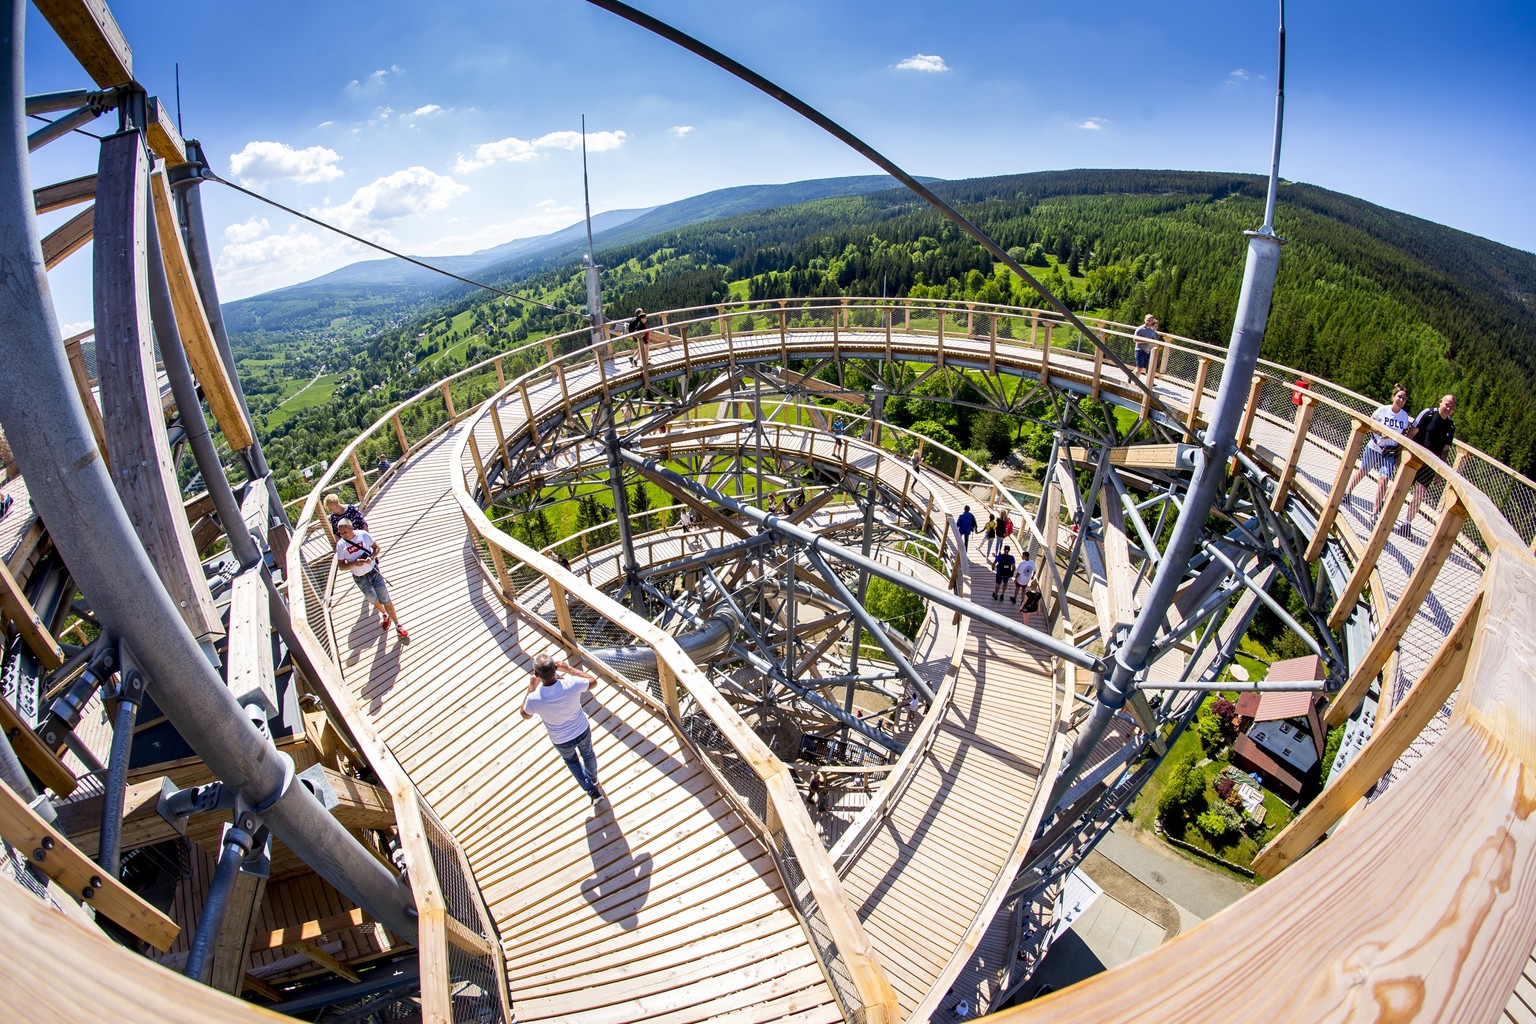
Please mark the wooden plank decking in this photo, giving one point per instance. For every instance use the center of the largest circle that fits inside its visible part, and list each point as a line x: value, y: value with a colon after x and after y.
x: 662, y: 907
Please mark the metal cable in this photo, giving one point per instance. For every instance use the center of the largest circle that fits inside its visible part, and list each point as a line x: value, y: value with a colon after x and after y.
x: 208, y: 175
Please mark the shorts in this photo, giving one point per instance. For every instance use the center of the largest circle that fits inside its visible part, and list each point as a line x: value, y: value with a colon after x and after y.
x: 1426, y: 476
x: 373, y: 586
x: 1143, y: 358
x: 1374, y: 459
x: 1003, y: 578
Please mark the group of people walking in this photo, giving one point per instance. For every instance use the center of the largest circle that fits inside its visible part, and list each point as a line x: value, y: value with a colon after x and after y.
x: 1007, y: 569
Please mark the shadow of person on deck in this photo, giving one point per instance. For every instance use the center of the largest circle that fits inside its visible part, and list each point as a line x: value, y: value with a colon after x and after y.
x: 385, y: 666
x: 621, y: 882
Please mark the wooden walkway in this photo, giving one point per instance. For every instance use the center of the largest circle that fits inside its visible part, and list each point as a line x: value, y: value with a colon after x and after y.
x: 667, y: 908
x: 662, y: 907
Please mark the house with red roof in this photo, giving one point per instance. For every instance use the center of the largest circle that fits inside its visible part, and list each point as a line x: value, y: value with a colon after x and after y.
x: 1281, y: 733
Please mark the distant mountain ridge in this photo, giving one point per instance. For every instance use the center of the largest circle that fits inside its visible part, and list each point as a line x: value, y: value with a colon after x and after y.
x: 379, y: 289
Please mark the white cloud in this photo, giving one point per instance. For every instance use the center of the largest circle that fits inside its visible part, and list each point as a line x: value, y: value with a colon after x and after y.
x: 408, y: 193
x: 259, y: 264
x: 545, y: 204
x: 682, y: 131
x: 247, y: 231
x: 374, y: 81
x: 325, y: 124
x: 71, y: 329
x: 597, y: 142
x: 928, y: 62
x: 513, y: 150
x: 427, y: 110
x: 1094, y: 124
x: 261, y: 163
x: 1239, y: 75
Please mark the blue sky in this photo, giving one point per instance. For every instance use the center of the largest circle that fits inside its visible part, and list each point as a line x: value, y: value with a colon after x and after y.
x: 446, y: 128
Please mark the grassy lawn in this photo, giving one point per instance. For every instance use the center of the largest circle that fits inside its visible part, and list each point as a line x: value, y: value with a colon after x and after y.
x: 297, y: 398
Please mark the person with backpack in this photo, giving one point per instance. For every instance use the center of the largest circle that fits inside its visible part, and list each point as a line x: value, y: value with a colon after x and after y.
x: 358, y: 554
x: 989, y: 535
x: 1381, y: 452
x: 1002, y: 566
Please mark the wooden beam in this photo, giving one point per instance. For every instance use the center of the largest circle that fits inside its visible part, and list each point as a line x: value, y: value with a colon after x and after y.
x: 141, y: 467
x: 293, y: 934
x: 165, y: 139
x: 248, y: 661
x: 18, y: 611
x: 192, y: 321
x: 142, y: 823
x: 329, y: 962
x: 34, y: 753
x: 1396, y: 622
x: 58, y: 858
x: 231, y: 953
x: 1391, y: 737
x: 82, y: 376
x: 1338, y: 493
x: 63, y: 194
x: 1402, y: 484
x: 1138, y: 456
x: 90, y: 32
x: 68, y: 238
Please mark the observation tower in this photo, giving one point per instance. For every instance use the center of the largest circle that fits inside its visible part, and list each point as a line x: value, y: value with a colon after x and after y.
x: 844, y: 781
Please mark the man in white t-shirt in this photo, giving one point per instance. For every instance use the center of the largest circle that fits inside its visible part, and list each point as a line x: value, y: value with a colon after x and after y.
x: 1381, y: 451
x: 357, y: 553
x: 1022, y: 575
x: 554, y: 694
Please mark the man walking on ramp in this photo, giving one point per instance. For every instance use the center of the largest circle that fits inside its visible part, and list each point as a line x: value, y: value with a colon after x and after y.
x: 554, y: 694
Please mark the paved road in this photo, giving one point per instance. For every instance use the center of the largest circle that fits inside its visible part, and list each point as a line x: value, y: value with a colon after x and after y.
x: 1201, y: 892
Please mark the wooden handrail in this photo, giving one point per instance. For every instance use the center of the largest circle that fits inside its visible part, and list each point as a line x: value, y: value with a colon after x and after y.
x: 1480, y: 757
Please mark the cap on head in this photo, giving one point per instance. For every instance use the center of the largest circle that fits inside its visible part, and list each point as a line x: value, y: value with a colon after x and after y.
x: 639, y: 311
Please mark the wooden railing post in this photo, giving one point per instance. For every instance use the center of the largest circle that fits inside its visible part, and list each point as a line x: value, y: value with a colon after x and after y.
x: 1303, y: 423
x: 1402, y: 485
x: 1396, y: 622
x: 1387, y: 742
x: 1246, y: 430
x: 1195, y: 395
x: 448, y: 400
x: 405, y: 446
x: 1337, y: 494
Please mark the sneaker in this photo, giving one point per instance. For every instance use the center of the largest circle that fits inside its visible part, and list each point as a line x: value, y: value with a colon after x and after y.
x: 598, y: 798
x: 386, y: 623
x: 1013, y: 598
x: 401, y: 633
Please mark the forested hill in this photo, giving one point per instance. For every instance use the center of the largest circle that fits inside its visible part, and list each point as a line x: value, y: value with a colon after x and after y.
x: 1366, y: 296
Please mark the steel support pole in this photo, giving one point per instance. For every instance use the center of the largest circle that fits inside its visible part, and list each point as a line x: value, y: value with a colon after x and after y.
x: 74, y: 495
x: 1210, y: 470
x: 867, y: 620
x: 189, y: 207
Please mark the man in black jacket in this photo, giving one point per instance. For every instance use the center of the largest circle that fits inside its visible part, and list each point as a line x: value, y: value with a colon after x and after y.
x: 1435, y: 430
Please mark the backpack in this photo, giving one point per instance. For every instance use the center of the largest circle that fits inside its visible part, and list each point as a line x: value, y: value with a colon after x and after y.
x: 1005, y: 565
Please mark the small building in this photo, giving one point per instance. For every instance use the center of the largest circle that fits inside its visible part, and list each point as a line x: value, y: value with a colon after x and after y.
x: 1281, y: 734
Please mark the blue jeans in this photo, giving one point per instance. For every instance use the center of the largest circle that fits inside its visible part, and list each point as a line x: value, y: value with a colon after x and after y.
x: 582, y: 762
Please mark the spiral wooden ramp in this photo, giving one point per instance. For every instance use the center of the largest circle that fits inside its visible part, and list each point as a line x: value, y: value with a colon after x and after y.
x: 706, y: 891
